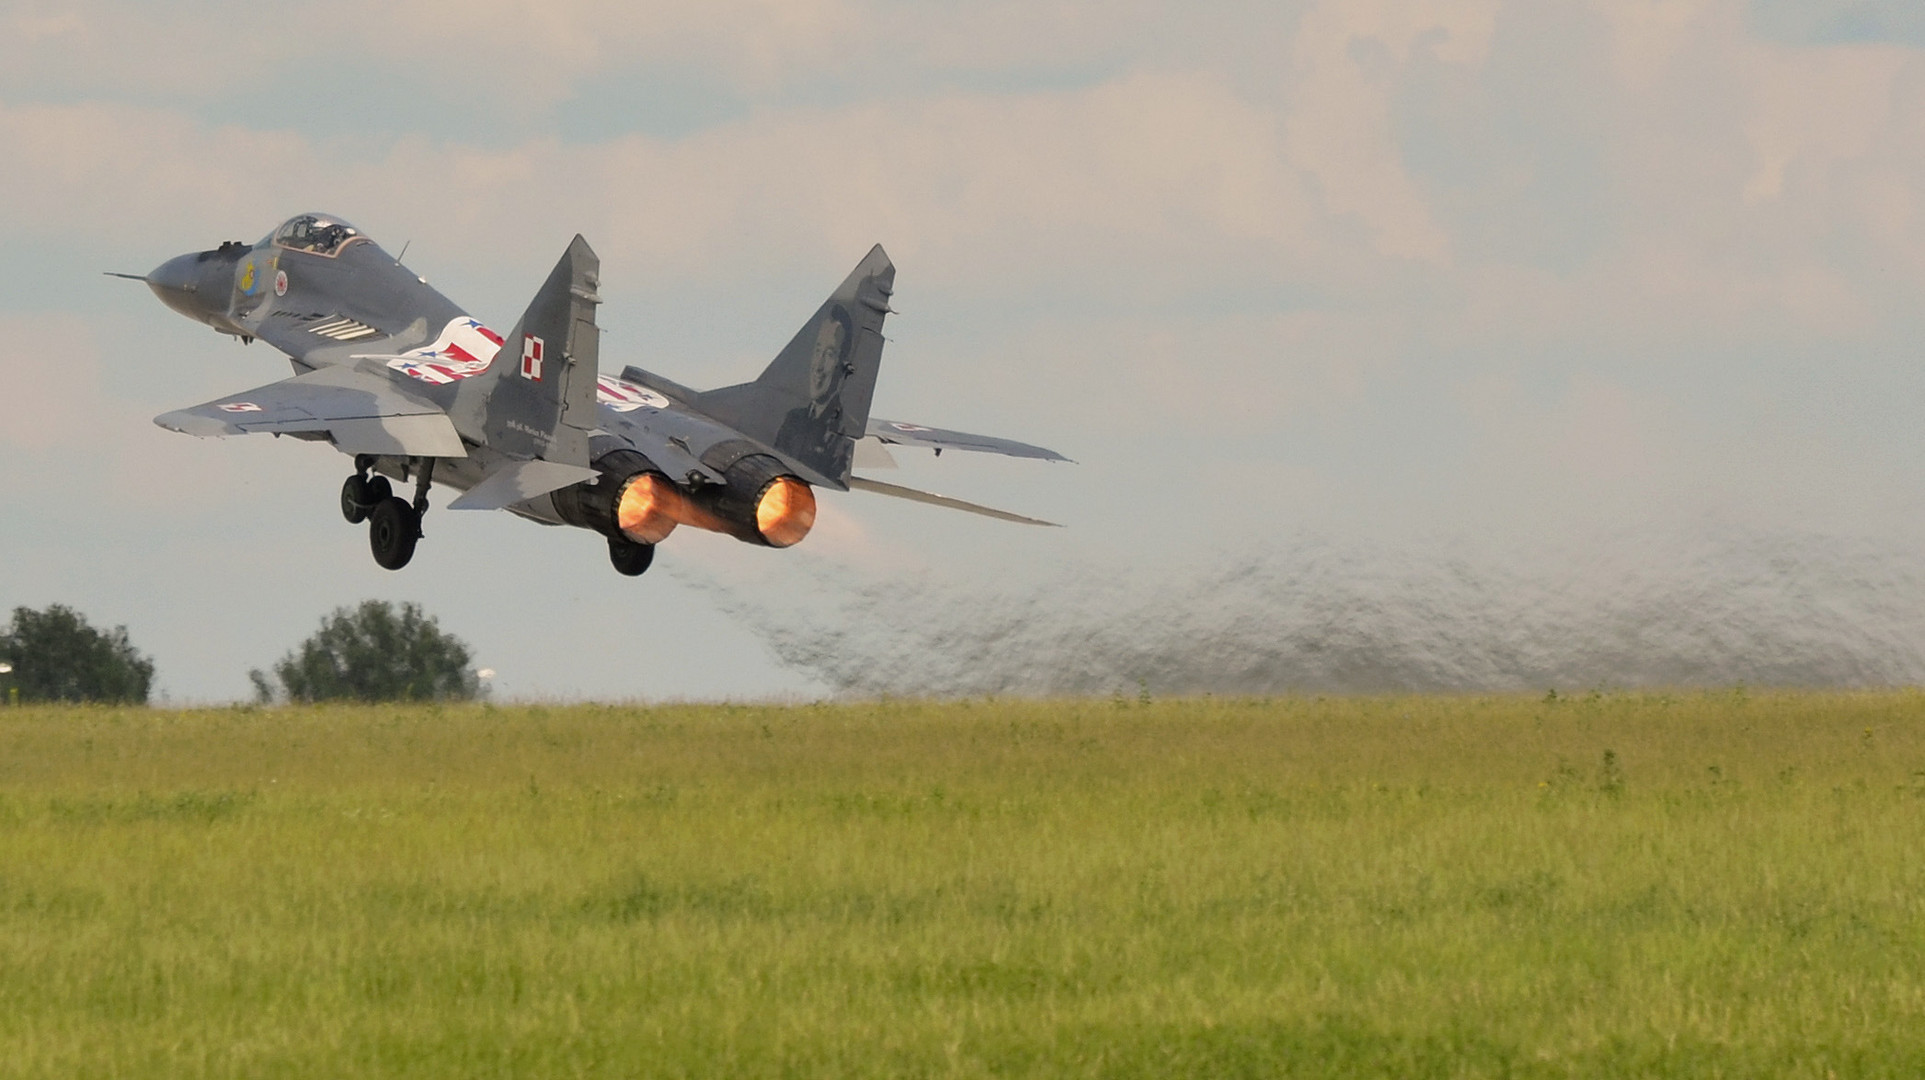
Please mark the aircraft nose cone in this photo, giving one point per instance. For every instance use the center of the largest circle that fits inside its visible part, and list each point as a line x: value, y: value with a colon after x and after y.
x: 177, y: 283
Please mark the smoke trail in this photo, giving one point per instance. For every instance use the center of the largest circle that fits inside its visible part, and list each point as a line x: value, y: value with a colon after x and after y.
x: 1321, y: 617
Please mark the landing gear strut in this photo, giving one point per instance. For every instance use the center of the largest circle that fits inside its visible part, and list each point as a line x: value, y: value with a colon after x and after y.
x: 630, y: 558
x: 394, y: 524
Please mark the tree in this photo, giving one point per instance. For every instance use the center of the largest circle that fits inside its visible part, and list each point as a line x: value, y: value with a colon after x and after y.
x: 373, y: 653
x: 56, y: 656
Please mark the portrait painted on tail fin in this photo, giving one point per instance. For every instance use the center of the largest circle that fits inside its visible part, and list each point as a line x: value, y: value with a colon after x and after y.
x: 812, y: 430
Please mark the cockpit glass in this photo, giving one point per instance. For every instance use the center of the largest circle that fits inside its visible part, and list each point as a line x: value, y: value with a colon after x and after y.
x: 314, y: 233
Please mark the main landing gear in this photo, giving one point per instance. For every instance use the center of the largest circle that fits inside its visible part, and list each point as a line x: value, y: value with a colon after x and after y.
x: 394, y: 525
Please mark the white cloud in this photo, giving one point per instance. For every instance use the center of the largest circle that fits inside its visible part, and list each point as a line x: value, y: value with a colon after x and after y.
x: 1151, y: 168
x: 1338, y: 120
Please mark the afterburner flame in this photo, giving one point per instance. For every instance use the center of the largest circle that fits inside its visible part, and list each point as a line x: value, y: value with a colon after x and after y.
x: 649, y: 508
x: 785, y: 512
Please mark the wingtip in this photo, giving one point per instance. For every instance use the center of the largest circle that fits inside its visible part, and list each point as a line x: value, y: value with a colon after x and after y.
x: 184, y: 422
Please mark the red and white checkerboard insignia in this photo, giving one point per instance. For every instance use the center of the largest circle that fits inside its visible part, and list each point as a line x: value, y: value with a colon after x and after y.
x: 531, y: 357
x: 240, y: 406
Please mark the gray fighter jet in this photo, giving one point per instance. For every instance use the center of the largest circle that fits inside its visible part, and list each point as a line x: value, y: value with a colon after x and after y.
x: 415, y: 389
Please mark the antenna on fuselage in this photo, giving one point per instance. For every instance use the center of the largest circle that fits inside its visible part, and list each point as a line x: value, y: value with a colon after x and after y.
x: 404, y: 253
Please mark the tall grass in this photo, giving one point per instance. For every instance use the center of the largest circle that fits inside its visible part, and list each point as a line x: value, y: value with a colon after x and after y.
x: 1722, y: 884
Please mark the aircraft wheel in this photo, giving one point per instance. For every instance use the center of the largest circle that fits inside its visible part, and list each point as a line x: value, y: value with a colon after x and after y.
x: 630, y: 559
x: 354, y: 500
x: 361, y: 494
x: 393, y: 528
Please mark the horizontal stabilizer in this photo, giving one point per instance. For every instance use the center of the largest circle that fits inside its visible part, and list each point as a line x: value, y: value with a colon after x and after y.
x: 940, y: 439
x: 863, y: 483
x: 519, y: 481
x: 871, y: 454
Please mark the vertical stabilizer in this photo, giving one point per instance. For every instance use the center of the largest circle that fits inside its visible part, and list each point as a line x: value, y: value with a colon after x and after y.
x: 812, y: 403
x: 537, y: 399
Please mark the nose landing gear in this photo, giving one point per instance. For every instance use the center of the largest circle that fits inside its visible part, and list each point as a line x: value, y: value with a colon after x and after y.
x: 394, y: 525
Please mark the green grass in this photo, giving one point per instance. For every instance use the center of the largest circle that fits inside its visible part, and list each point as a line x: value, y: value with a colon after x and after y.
x: 1629, y: 885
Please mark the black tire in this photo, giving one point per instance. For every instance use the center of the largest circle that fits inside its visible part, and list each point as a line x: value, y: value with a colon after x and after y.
x: 361, y: 494
x: 355, y: 503
x: 630, y: 559
x: 393, y: 528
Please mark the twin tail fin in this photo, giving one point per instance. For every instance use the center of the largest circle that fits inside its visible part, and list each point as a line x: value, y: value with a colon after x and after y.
x: 537, y: 401
x: 812, y: 402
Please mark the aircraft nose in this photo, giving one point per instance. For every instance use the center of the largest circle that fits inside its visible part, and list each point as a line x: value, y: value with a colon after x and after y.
x: 177, y: 283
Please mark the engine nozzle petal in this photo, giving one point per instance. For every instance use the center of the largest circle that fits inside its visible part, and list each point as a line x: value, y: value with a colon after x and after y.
x: 785, y: 512
x: 649, y: 508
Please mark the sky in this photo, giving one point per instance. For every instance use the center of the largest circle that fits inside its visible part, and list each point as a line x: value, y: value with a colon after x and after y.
x: 1550, y: 294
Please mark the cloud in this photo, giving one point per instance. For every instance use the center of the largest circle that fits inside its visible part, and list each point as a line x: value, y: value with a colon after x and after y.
x: 105, y: 170
x: 1839, y: 21
x: 1151, y: 168
x: 1338, y: 123
x: 502, y: 50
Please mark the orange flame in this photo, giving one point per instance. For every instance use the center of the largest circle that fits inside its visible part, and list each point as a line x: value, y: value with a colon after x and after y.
x: 785, y: 512
x: 649, y: 508
x: 651, y: 505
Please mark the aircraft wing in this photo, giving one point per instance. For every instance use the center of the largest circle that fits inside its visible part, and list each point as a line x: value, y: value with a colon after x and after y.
x: 939, y: 439
x: 361, y: 412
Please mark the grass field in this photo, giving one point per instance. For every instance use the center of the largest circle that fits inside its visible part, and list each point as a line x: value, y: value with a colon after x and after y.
x: 1727, y: 884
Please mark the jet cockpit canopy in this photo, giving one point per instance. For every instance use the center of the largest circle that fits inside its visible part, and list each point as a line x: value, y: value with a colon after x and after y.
x: 318, y: 234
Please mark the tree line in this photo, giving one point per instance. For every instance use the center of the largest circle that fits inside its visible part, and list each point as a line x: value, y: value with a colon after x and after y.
x: 373, y: 652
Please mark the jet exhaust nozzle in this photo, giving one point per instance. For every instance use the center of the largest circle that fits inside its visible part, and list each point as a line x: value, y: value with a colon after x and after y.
x: 759, y: 503
x: 784, y: 512
x: 649, y: 507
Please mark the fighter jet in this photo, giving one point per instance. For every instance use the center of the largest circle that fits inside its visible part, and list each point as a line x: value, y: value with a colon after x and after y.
x: 417, y: 391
